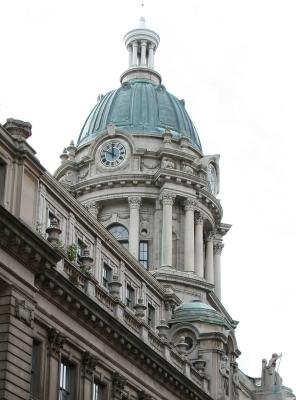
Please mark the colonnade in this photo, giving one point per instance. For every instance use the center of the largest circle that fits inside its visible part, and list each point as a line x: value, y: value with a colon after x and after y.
x: 138, y: 55
x: 203, y: 259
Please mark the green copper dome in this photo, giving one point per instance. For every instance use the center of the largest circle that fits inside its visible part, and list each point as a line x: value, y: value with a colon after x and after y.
x: 197, y: 311
x: 140, y: 107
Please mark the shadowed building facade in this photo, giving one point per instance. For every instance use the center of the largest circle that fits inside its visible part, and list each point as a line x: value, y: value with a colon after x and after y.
x: 110, y: 270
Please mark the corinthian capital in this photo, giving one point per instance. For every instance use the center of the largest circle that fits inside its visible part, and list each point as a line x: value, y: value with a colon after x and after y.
x: 199, y: 219
x: 134, y: 202
x: 190, y: 204
x: 218, y: 247
x: 211, y: 236
x: 168, y: 198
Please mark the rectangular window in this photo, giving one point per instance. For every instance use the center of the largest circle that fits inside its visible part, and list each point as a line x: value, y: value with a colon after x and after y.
x: 80, y: 247
x: 130, y: 296
x: 144, y: 253
x: 98, y: 391
x: 66, y: 373
x: 107, y: 275
x: 151, y: 315
x: 35, y: 370
x: 2, y: 180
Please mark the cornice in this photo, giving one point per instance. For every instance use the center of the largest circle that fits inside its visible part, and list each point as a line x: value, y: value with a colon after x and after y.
x: 29, y: 248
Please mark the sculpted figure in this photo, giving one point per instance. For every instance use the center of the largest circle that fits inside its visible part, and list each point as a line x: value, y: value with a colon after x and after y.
x: 224, y: 371
x: 272, y: 379
x: 187, y: 169
x: 235, y: 382
x: 167, y: 163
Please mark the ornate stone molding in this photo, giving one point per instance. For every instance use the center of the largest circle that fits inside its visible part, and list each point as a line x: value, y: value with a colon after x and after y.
x: 199, y: 219
x: 190, y: 204
x: 23, y: 312
x: 167, y: 163
x: 89, y: 362
x: 218, y: 247
x: 168, y: 198
x: 55, y: 340
x: 118, y: 383
x: 211, y: 236
x: 134, y: 202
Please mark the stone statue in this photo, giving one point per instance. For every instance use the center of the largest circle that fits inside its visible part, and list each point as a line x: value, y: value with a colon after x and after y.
x: 224, y: 371
x: 270, y: 377
x: 235, y: 382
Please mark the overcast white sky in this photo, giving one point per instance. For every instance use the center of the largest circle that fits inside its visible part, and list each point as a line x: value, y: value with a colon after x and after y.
x: 234, y: 64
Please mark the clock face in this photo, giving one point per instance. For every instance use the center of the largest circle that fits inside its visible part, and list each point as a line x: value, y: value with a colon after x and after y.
x: 213, y: 180
x: 112, y: 154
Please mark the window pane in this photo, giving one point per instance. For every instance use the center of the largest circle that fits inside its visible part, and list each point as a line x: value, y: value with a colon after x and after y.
x: 98, y: 390
x: 144, y: 253
x: 119, y: 232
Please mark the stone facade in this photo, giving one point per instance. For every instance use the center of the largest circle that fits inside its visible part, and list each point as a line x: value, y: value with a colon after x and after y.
x: 87, y: 316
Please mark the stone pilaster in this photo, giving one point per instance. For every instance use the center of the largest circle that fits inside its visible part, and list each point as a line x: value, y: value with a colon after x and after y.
x: 218, y: 247
x: 198, y: 246
x: 143, y: 52
x: 210, y: 258
x: 190, y: 204
x: 89, y: 363
x: 55, y: 344
x: 134, y: 205
x: 167, y: 228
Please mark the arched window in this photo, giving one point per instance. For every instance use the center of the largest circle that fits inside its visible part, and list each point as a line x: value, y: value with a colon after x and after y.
x: 120, y: 233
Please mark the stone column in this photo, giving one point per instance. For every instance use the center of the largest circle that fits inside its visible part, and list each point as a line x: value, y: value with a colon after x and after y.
x: 189, y: 235
x: 218, y: 247
x: 198, y: 247
x: 210, y: 258
x: 167, y: 228
x: 151, y: 56
x: 135, y: 53
x: 134, y: 204
x: 143, y: 52
x: 130, y: 55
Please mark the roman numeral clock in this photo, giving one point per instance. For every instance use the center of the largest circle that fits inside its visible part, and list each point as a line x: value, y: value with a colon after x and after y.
x: 112, y: 153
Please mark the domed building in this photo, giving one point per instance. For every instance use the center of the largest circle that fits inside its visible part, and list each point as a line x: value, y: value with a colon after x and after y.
x: 111, y: 270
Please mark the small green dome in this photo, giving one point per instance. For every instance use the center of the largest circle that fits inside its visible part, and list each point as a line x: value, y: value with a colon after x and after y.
x: 197, y: 311
x: 140, y: 107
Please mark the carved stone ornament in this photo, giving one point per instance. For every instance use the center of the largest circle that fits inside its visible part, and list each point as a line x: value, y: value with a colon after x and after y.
x: 167, y: 163
x: 55, y: 340
x: 92, y: 207
x: 167, y: 136
x: 199, y: 219
x: 235, y: 382
x: 118, y: 383
x: 211, y: 236
x: 168, y: 198
x: 224, y: 372
x: 89, y: 362
x: 68, y: 178
x: 218, y: 247
x: 134, y: 202
x: 187, y: 169
x: 190, y: 204
x: 23, y: 312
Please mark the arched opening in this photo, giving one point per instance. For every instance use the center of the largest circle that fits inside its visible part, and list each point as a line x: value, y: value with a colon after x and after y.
x: 120, y: 233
